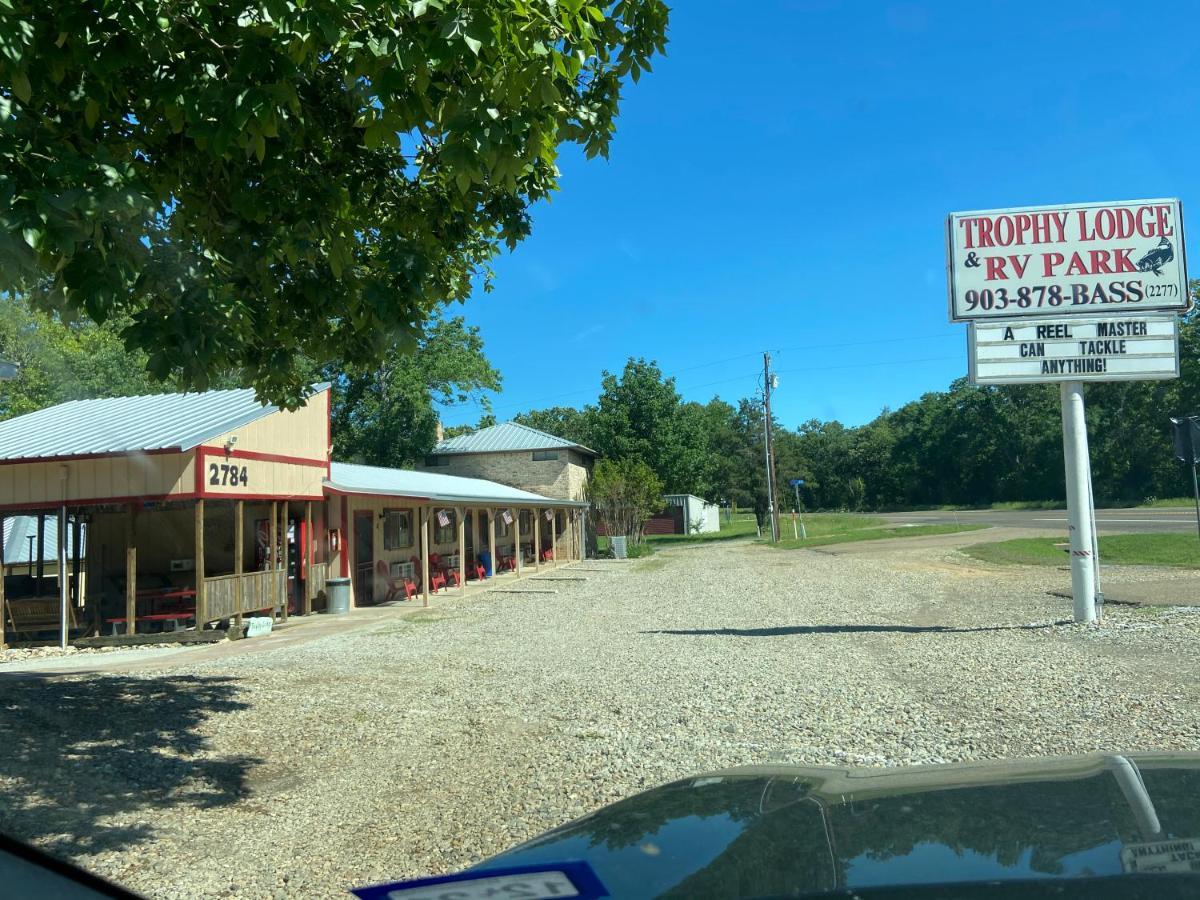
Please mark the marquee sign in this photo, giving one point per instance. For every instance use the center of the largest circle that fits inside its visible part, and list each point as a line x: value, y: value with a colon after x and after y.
x: 1095, y: 259
x: 1124, y: 348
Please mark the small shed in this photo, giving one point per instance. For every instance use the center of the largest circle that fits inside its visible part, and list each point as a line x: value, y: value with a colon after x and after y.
x: 698, y: 515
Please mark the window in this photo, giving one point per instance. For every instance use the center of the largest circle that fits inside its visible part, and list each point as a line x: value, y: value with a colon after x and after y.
x: 448, y: 533
x: 397, y: 529
x: 540, y: 455
x: 526, y: 520
x: 437, y: 460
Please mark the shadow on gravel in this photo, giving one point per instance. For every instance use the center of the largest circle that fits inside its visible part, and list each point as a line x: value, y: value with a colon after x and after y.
x: 73, y: 752
x: 854, y: 629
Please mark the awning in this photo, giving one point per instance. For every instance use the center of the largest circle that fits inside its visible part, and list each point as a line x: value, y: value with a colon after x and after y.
x: 348, y: 478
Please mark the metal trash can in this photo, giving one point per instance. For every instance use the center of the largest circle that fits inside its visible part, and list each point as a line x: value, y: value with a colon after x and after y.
x: 618, y: 546
x: 337, y: 590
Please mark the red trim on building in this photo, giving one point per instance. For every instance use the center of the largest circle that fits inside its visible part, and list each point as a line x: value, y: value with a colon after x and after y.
x: 202, y: 452
x: 98, y: 501
x: 25, y: 460
x: 345, y: 533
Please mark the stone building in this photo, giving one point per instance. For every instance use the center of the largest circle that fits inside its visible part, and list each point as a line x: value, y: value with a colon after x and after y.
x: 518, y: 456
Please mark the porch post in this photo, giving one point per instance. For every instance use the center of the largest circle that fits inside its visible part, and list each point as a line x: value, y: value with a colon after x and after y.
x: 308, y: 554
x: 41, y: 542
x: 63, y: 578
x: 201, y: 599
x: 516, y: 514
x: 76, y: 543
x: 424, y: 513
x: 554, y: 536
x: 239, y: 513
x: 537, y: 539
x: 462, y: 546
x: 283, y: 560
x: 273, y: 555
x: 3, y: 601
x: 492, y: 540
x: 131, y: 570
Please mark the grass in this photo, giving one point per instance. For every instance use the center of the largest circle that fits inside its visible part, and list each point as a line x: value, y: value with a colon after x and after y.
x: 1148, y: 503
x: 738, y: 528
x: 1180, y: 550
x: 871, y: 534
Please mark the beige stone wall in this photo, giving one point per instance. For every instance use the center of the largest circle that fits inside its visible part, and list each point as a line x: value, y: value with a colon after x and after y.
x: 562, y: 479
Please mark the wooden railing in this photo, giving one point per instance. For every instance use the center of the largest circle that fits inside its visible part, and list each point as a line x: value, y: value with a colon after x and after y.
x: 260, y: 591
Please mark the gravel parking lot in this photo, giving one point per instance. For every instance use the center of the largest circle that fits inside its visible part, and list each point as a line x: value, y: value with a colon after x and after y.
x: 424, y: 743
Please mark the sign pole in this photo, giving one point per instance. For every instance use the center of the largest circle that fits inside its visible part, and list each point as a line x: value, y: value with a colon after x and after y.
x: 1196, y: 491
x: 1075, y: 452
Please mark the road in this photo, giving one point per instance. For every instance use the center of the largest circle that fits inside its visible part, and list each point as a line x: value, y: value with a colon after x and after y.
x: 1107, y: 520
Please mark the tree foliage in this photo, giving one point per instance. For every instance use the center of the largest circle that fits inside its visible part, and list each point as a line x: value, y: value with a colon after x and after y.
x: 387, y: 416
x: 249, y: 184
x: 624, y: 493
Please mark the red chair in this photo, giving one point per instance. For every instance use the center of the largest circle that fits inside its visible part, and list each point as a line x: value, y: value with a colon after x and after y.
x: 480, y: 571
x: 437, y: 575
x: 547, y: 554
x: 394, y: 587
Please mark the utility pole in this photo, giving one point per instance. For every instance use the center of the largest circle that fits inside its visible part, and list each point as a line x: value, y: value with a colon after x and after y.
x: 769, y: 444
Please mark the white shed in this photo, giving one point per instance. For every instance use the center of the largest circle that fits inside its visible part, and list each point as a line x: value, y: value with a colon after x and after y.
x: 698, y: 514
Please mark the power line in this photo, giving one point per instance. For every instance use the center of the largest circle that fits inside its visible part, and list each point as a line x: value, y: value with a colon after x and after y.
x: 537, y: 402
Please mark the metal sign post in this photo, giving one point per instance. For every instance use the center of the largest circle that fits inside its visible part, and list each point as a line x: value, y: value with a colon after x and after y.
x: 1068, y: 294
x: 1079, y: 501
x: 1185, y: 451
x: 796, y: 482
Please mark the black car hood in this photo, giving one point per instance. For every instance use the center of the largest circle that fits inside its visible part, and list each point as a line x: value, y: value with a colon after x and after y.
x: 783, y: 831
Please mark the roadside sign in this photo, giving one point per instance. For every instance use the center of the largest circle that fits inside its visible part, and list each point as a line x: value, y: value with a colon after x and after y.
x: 1083, y: 259
x: 796, y: 482
x: 1124, y: 348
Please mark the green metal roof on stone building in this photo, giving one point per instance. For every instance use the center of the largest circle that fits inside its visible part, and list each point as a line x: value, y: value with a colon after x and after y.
x: 506, y: 437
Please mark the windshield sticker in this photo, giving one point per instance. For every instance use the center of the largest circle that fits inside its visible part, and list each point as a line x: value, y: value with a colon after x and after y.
x: 541, y: 882
x: 1162, y: 856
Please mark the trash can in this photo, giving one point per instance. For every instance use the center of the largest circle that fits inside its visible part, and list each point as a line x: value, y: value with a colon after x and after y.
x: 337, y: 592
x: 618, y: 546
x: 485, y: 560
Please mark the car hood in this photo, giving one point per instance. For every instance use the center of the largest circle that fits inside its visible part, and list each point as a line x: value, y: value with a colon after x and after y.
x: 780, y: 831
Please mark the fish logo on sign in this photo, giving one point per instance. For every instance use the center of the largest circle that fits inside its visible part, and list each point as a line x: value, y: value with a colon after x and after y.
x: 1157, y: 258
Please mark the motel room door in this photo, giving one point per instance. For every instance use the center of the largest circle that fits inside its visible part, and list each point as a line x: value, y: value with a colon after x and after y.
x: 364, y: 557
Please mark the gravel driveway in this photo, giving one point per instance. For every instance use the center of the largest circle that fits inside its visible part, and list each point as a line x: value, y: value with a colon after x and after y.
x: 428, y: 742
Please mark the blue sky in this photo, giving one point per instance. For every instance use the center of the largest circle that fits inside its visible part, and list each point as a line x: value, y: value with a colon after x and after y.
x: 780, y: 182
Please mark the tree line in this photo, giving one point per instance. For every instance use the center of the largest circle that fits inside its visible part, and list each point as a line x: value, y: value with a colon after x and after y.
x: 965, y: 445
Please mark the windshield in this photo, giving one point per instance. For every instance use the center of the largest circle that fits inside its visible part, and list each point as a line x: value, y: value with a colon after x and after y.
x: 369, y: 517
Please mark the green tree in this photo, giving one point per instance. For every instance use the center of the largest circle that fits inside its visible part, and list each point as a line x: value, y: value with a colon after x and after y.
x: 387, y: 416
x: 624, y: 494
x: 561, y: 421
x: 248, y: 184
x: 62, y: 360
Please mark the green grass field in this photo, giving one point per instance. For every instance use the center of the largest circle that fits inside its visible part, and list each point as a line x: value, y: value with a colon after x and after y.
x: 1181, y: 550
x: 870, y: 534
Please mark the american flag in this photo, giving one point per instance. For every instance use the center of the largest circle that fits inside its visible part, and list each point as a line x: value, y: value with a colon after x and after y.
x: 549, y: 514
x: 507, y: 517
x: 443, y: 518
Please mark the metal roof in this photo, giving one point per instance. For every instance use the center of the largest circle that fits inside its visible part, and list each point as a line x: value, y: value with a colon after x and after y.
x: 505, y: 437
x: 355, y: 479
x: 18, y: 531
x: 130, y: 424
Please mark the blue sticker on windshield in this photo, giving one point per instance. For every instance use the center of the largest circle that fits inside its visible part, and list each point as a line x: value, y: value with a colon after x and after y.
x: 546, y: 881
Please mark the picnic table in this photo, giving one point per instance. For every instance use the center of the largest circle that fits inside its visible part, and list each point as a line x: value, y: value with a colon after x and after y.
x: 166, y: 605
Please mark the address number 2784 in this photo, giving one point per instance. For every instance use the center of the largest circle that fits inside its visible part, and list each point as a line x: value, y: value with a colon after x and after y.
x: 231, y: 476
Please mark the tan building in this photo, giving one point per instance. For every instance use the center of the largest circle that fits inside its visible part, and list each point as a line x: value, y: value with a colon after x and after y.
x: 200, y: 508
x: 519, y: 456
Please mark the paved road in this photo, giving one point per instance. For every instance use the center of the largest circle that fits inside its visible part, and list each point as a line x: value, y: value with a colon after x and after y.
x: 1107, y: 520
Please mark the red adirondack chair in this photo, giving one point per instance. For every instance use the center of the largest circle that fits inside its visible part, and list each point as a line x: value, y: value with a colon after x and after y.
x: 437, y: 574
x: 394, y: 587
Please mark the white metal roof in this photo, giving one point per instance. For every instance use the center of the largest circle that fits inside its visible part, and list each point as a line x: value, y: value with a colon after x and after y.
x: 18, y: 547
x: 356, y: 479
x: 506, y: 437
x: 130, y: 424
